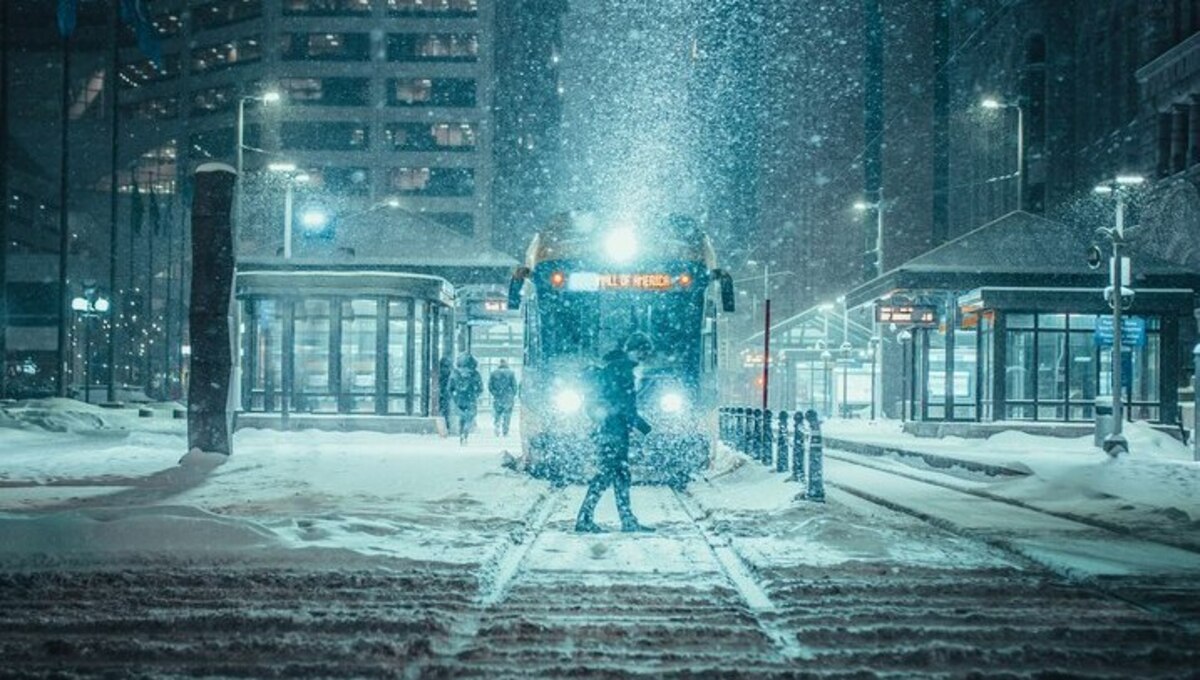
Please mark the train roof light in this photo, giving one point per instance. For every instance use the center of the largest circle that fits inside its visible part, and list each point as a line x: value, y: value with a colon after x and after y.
x: 621, y: 244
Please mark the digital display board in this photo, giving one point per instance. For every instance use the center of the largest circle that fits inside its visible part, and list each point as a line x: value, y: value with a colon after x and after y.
x: 650, y: 281
x: 906, y: 314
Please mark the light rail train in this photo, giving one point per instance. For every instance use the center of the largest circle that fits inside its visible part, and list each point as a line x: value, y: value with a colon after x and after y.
x: 586, y: 286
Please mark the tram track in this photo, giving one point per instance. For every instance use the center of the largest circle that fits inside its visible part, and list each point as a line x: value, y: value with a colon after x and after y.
x: 862, y: 461
x: 1163, y: 599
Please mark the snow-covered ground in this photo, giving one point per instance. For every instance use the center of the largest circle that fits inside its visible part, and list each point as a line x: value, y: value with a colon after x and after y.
x: 362, y: 554
x: 1157, y: 485
x: 80, y: 483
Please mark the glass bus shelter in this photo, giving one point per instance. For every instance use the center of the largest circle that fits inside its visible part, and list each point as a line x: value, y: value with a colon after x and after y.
x: 341, y: 342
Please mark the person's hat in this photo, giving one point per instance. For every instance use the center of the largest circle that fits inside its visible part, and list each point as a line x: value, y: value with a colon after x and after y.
x: 638, y: 342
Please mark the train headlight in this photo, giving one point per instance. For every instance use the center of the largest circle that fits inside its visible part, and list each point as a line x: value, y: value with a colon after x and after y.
x: 671, y: 402
x: 568, y: 401
x: 621, y: 244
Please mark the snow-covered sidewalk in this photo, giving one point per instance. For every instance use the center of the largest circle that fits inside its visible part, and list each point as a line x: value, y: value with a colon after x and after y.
x: 1158, y: 482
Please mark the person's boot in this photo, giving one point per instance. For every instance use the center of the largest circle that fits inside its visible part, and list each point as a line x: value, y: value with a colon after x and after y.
x: 632, y: 526
x: 587, y: 526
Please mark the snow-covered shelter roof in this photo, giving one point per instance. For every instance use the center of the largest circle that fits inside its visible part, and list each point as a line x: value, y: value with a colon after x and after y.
x: 1018, y: 249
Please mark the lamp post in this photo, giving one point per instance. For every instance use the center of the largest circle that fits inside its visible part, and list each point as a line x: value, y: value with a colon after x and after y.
x: 826, y: 358
x: 904, y: 336
x: 845, y: 352
x: 290, y: 178
x: 766, y: 279
x: 91, y: 305
x: 877, y: 206
x: 269, y: 97
x: 873, y: 346
x: 994, y: 104
x: 1115, y: 444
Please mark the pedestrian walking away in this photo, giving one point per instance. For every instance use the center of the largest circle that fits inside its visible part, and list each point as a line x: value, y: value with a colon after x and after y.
x: 616, y: 414
x: 502, y: 385
x: 465, y: 387
x: 445, y: 406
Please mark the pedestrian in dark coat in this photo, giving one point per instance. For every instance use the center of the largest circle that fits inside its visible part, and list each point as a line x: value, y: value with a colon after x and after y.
x: 465, y: 387
x: 445, y: 406
x: 502, y: 385
x: 616, y: 414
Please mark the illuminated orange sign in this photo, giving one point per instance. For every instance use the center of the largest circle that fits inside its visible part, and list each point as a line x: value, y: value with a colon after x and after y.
x: 637, y: 281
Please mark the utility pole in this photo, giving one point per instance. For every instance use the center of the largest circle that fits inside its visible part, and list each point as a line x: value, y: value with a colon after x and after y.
x: 4, y: 43
x: 766, y: 374
x: 113, y: 161
x: 64, y: 227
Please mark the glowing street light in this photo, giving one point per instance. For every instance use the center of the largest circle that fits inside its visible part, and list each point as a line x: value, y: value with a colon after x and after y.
x: 994, y: 104
x: 1115, y: 443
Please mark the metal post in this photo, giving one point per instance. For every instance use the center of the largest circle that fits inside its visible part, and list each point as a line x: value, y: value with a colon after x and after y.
x: 87, y: 358
x: 1115, y: 443
x: 781, y: 444
x: 1020, y: 157
x: 113, y: 229
x: 879, y: 232
x: 1195, y: 403
x: 766, y: 448
x: 287, y: 219
x: 798, y: 449
x: 237, y: 189
x: 816, y: 450
x: 875, y: 342
x: 64, y: 236
x: 766, y: 374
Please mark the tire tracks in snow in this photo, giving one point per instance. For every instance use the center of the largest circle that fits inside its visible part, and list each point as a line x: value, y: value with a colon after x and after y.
x: 1140, y: 597
x: 741, y: 576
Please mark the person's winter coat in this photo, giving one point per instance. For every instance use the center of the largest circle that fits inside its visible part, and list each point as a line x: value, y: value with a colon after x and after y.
x: 502, y: 385
x: 617, y: 395
x: 466, y: 385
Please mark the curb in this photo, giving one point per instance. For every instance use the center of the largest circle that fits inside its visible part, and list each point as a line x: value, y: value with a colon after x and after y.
x: 931, y: 459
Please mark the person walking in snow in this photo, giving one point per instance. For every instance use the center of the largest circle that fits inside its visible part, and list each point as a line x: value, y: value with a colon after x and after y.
x: 465, y: 387
x: 445, y: 371
x: 502, y: 385
x: 617, y: 415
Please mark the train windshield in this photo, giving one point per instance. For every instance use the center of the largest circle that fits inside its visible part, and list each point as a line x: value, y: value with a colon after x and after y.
x: 591, y: 324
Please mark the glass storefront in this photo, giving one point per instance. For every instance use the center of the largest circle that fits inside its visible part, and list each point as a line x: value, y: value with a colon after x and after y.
x: 346, y: 354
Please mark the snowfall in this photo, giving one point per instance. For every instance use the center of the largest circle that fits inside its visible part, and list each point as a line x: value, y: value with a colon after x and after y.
x: 83, y: 485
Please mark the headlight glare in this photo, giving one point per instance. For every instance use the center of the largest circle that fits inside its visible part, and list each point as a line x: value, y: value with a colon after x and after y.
x: 568, y: 401
x: 671, y: 402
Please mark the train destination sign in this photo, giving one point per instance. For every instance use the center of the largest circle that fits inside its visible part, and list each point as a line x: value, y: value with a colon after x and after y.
x: 585, y: 281
x: 906, y: 314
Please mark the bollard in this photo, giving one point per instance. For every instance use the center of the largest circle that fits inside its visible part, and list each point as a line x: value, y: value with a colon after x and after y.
x: 781, y: 444
x: 766, y: 448
x: 755, y: 433
x: 816, y: 451
x: 739, y: 439
x: 798, y: 448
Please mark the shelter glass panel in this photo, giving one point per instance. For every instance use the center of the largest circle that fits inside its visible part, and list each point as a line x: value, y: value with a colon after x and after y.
x: 1020, y: 373
x: 398, y: 333
x: 311, y: 385
x: 358, y: 355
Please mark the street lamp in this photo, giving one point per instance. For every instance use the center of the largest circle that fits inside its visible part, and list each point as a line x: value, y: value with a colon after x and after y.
x: 1117, y: 294
x: 994, y: 104
x: 91, y: 305
x: 268, y: 97
x: 863, y: 206
x: 291, y: 179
